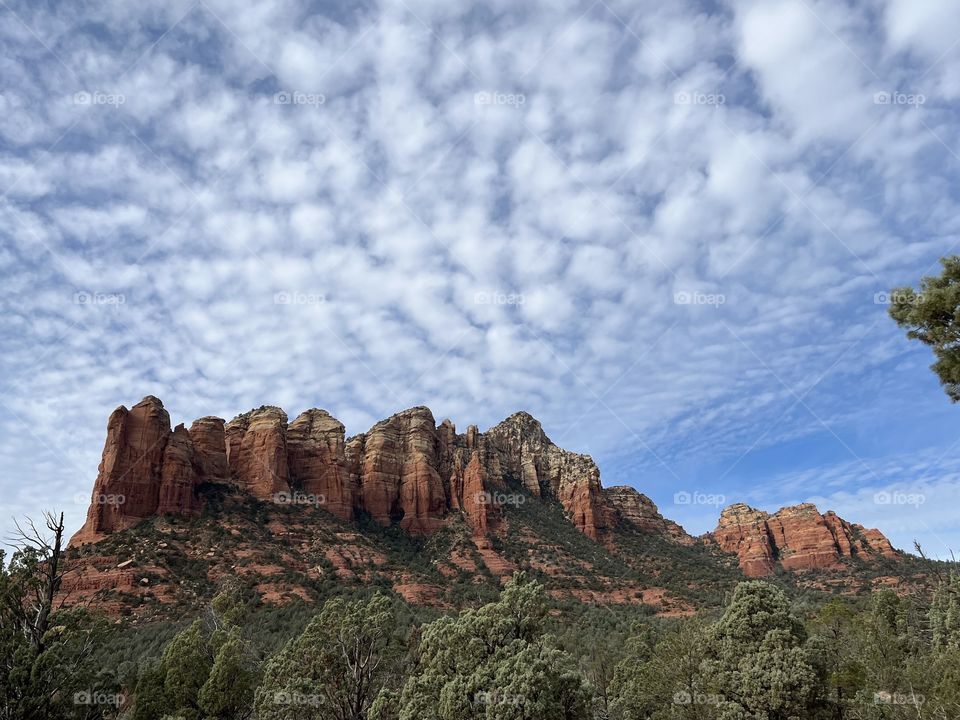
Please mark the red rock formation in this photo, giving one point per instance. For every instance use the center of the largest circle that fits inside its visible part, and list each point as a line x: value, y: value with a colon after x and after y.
x: 317, y: 461
x: 875, y: 541
x: 178, y: 474
x: 523, y: 452
x: 257, y: 452
x: 640, y: 511
x: 208, y: 438
x: 743, y: 530
x: 404, y: 470
x: 396, y: 466
x: 127, y: 488
x: 795, y: 538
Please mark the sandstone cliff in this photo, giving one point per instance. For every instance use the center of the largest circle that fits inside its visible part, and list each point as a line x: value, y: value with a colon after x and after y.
x: 405, y: 470
x: 409, y: 471
x: 640, y: 511
x: 794, y: 538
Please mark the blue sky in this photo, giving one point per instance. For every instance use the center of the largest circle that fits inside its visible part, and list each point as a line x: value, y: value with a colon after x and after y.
x: 662, y: 228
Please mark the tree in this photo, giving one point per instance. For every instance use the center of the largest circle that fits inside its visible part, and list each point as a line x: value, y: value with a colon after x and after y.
x: 206, y: 672
x: 838, y: 653
x: 35, y: 581
x: 662, y: 680
x: 945, y: 614
x: 497, y: 663
x: 229, y: 689
x: 756, y: 664
x: 932, y: 316
x: 46, y: 652
x: 336, y: 668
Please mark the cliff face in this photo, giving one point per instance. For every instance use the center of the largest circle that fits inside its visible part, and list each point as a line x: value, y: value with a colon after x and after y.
x: 128, y: 480
x: 640, y: 511
x: 409, y: 471
x: 794, y: 538
x: 257, y: 452
x: 405, y: 470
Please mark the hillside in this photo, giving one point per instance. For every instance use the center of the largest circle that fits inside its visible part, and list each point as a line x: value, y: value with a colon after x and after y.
x: 298, y: 511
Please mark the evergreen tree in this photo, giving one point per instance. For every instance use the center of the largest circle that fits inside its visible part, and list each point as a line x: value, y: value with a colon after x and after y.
x: 336, y: 668
x: 945, y: 613
x: 496, y: 663
x: 206, y: 672
x: 757, y: 666
x: 228, y: 692
x: 663, y: 680
x: 932, y: 316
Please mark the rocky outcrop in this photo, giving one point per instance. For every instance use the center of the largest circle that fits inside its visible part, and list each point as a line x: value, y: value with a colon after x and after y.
x: 639, y: 511
x: 317, y: 463
x: 395, y: 465
x: 179, y: 471
x: 405, y: 470
x: 127, y: 488
x: 743, y: 530
x: 523, y: 453
x: 257, y: 452
x: 148, y: 469
x: 207, y: 434
x: 794, y: 538
x: 409, y: 471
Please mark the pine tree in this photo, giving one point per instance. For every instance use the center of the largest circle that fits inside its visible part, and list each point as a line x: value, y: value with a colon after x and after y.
x: 932, y: 316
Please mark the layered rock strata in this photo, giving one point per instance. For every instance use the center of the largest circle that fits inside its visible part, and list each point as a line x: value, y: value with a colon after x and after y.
x: 794, y: 538
x: 405, y: 470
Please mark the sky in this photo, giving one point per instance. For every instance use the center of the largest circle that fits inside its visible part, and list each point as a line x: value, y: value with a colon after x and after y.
x: 667, y: 230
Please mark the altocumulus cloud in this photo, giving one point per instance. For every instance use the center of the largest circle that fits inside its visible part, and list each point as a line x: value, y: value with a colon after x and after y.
x: 659, y: 227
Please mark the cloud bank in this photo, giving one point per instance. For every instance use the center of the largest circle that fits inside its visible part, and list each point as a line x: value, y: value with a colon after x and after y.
x: 665, y: 230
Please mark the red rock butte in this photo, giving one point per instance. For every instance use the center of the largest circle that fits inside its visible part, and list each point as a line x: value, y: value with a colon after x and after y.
x: 410, y: 471
x: 405, y: 470
x: 795, y: 538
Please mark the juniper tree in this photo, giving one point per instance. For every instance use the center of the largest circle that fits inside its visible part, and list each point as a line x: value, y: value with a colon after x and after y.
x: 496, y: 663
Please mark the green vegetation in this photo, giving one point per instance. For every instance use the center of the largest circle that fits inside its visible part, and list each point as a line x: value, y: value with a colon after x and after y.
x: 493, y: 662
x: 347, y: 647
x: 932, y: 316
x: 520, y: 656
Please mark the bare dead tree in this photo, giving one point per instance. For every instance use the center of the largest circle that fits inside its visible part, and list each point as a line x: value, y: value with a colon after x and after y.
x: 33, y: 603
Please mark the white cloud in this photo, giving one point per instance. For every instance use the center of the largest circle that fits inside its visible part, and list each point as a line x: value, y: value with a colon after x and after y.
x: 574, y: 199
